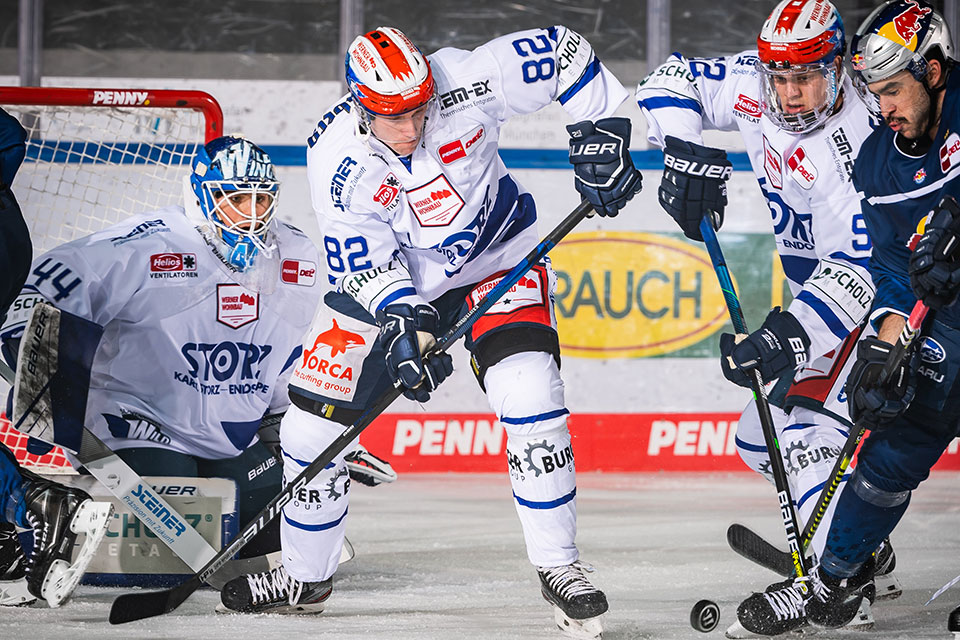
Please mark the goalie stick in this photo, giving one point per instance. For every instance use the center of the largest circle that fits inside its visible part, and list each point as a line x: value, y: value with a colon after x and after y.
x: 751, y: 545
x: 760, y: 395
x: 136, y: 606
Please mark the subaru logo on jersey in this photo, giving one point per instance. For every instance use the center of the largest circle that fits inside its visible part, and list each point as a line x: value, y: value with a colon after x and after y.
x: 436, y: 203
x: 460, y: 148
x: 236, y: 305
x: 931, y: 352
x: 950, y: 152
x: 771, y: 165
x: 173, y: 262
x: 388, y: 195
x: 301, y: 272
x: 747, y: 106
x: 802, y: 169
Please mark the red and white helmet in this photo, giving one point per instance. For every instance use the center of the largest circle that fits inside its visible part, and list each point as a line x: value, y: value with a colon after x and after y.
x: 799, y: 42
x: 387, y: 75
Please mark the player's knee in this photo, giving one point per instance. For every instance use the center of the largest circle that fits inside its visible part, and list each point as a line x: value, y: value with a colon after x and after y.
x: 496, y: 347
x: 526, y: 393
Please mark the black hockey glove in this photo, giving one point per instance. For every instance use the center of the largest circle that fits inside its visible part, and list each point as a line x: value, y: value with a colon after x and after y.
x: 694, y: 182
x: 873, y: 406
x: 602, y: 166
x: 408, y: 335
x: 935, y: 262
x: 778, y: 346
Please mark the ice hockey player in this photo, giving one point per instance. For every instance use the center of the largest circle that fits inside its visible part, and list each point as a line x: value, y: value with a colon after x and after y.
x: 802, y: 122
x: 55, y: 514
x: 904, y: 54
x: 420, y: 219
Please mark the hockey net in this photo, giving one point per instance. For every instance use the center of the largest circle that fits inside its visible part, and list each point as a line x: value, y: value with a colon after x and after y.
x: 94, y: 157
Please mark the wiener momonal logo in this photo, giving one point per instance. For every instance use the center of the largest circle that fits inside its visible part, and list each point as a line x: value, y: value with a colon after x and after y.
x: 173, y: 265
x: 436, y: 203
x: 301, y: 272
x: 236, y: 305
x: 633, y: 295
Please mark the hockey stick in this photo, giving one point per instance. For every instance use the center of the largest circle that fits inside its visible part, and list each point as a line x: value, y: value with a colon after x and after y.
x: 763, y: 406
x: 753, y: 547
x: 136, y: 606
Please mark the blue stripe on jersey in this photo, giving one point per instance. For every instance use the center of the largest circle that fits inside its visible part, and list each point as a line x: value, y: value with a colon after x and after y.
x: 399, y: 293
x: 551, y: 504
x: 591, y: 72
x: 750, y: 447
x: 316, y: 527
x: 797, y: 268
x: 799, y: 426
x: 826, y: 314
x: 240, y: 433
x: 860, y: 262
x: 294, y: 355
x: 661, y: 102
x: 304, y: 463
x: 537, y: 418
x: 817, y: 489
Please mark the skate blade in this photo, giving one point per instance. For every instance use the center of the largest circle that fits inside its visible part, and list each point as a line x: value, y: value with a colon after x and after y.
x: 863, y: 621
x: 14, y: 593
x: 737, y: 631
x: 287, y: 610
x: 91, y: 519
x: 888, y: 586
x: 586, y: 629
x: 346, y: 552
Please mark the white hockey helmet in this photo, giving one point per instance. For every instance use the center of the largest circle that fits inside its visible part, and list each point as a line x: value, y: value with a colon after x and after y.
x: 800, y: 42
x: 386, y: 73
x: 900, y: 35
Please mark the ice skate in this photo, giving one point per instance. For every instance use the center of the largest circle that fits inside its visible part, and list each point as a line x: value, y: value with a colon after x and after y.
x: 57, y: 515
x: 274, y: 591
x: 863, y: 621
x: 13, y: 570
x: 837, y: 601
x: 577, y: 603
x: 888, y: 585
x: 778, y: 609
x: 368, y: 469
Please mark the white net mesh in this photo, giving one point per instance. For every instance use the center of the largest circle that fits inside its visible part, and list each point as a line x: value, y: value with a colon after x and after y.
x: 88, y: 167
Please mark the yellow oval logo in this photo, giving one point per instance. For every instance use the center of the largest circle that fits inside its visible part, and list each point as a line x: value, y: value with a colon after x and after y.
x: 632, y: 295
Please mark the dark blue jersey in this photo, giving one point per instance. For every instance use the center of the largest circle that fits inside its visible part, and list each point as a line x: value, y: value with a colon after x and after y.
x: 899, y: 190
x: 15, y: 248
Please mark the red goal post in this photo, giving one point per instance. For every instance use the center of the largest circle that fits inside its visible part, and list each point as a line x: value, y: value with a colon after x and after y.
x: 95, y: 156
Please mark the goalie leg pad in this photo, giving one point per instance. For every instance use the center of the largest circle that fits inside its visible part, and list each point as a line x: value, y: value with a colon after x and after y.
x: 313, y: 523
x: 526, y: 393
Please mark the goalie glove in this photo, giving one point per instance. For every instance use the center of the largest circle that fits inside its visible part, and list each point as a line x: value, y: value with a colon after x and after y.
x: 604, y: 174
x: 408, y: 337
x: 778, y: 346
x: 694, y: 182
x: 934, y: 264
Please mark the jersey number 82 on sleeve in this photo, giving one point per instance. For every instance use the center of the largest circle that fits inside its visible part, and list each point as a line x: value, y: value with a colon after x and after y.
x: 355, y: 247
x: 540, y: 69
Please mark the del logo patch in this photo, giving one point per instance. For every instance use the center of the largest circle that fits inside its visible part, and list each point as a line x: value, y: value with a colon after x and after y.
x: 301, y: 272
x: 436, y: 203
x: 771, y: 165
x: 802, y: 169
x: 236, y: 305
x: 950, y: 153
x: 460, y: 148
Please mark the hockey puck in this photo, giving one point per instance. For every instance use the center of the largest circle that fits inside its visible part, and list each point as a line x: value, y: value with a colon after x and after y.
x: 705, y: 616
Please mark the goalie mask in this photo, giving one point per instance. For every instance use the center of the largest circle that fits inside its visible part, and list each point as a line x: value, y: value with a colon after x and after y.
x: 801, y: 75
x: 237, y: 191
x: 388, y: 77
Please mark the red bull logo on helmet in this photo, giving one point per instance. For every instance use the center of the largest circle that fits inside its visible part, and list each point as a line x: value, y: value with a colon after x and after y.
x: 905, y: 26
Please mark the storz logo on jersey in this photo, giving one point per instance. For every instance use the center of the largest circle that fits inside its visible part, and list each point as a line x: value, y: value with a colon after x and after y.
x: 211, y: 365
x: 950, y: 153
x: 436, y: 203
x: 142, y: 230
x: 460, y: 148
x: 802, y: 168
x: 173, y: 265
x: 236, y: 305
x: 747, y: 108
x: 302, y: 272
x: 931, y: 352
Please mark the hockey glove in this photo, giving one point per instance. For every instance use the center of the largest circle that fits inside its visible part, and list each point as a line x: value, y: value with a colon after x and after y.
x: 694, y: 182
x: 779, y: 346
x: 935, y: 263
x: 368, y: 469
x: 873, y: 406
x: 603, y: 170
x: 408, y: 335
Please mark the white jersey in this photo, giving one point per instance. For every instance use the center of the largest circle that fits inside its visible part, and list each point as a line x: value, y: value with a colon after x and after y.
x: 190, y: 359
x: 820, y: 232
x: 453, y: 215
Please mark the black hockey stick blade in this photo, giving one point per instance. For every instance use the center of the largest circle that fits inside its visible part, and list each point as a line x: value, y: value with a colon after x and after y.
x: 137, y: 606
x: 751, y: 546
